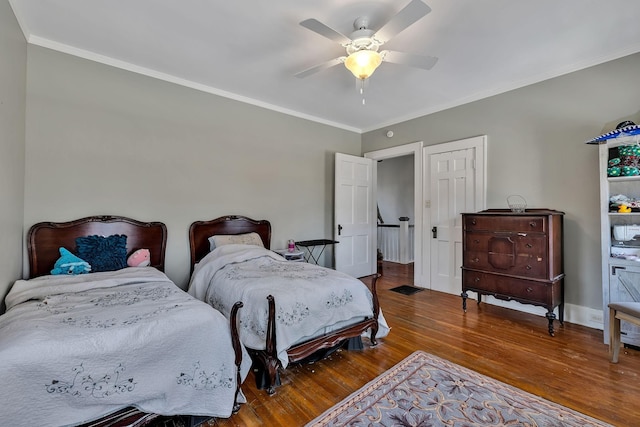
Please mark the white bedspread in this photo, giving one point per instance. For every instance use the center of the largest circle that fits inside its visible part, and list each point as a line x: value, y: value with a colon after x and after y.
x: 75, y: 348
x: 309, y: 298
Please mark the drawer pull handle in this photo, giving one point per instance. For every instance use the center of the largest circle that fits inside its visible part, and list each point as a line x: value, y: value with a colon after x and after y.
x: 529, y: 245
x: 477, y: 279
x: 532, y: 224
x: 476, y: 259
x: 476, y: 241
x: 528, y: 267
x: 473, y: 222
x: 522, y: 234
x: 529, y: 289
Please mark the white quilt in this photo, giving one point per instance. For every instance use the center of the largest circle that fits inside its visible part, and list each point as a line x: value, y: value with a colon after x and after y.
x: 310, y: 299
x: 76, y: 348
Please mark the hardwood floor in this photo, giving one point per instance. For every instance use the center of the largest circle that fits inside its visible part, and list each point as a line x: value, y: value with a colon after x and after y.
x: 571, y: 368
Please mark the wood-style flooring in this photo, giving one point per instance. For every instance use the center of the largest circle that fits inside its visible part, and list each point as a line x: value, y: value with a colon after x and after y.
x: 571, y: 369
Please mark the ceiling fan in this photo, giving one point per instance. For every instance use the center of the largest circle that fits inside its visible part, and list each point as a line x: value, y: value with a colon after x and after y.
x: 362, y: 45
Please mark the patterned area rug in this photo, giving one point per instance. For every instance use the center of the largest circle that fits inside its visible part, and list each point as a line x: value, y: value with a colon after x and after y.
x: 424, y: 390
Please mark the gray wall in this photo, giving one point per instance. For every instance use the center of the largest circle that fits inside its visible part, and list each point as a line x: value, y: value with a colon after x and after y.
x: 101, y: 140
x: 13, y: 64
x: 536, y: 149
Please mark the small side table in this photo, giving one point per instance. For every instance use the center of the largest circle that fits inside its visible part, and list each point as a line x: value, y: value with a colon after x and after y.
x: 295, y: 256
x: 310, y: 246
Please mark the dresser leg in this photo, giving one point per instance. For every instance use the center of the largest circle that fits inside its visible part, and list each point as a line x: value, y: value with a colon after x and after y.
x: 464, y: 300
x: 551, y: 316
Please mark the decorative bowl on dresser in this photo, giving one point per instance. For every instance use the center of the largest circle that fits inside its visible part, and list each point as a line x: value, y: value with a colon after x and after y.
x: 515, y: 256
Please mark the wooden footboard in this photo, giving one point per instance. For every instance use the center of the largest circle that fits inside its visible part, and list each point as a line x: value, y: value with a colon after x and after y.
x: 268, y: 358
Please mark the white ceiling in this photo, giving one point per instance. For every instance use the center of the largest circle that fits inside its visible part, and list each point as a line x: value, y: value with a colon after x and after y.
x: 250, y: 50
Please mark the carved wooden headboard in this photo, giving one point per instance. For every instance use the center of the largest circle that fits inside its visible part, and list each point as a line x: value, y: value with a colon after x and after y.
x: 45, y: 238
x: 200, y: 231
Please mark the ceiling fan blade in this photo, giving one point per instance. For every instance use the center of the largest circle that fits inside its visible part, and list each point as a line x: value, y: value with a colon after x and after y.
x: 417, y: 61
x: 415, y: 10
x: 328, y: 64
x: 328, y: 32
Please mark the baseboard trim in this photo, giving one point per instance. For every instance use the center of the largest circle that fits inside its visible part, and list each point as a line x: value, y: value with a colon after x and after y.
x: 585, y: 316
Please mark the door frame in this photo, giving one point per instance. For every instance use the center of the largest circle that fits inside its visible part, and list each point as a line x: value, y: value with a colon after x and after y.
x: 414, y: 148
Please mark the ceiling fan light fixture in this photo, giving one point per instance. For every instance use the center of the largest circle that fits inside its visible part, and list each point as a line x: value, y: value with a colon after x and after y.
x: 363, y: 63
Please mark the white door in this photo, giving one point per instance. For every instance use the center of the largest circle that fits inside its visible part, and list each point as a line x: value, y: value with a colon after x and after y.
x: 355, y: 219
x: 455, y: 183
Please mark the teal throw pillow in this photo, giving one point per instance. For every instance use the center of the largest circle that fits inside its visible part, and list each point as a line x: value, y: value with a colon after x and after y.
x: 103, y: 253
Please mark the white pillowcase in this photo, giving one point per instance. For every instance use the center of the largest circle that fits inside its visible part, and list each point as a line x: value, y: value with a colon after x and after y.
x: 231, y: 239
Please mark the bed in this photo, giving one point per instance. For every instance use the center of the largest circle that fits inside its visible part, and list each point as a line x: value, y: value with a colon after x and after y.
x: 112, y: 347
x: 293, y: 310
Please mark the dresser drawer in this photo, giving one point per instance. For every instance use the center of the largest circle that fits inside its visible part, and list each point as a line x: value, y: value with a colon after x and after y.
x: 507, y: 288
x: 507, y: 253
x: 520, y: 224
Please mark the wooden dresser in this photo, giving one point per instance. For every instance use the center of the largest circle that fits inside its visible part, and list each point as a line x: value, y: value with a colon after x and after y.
x: 515, y: 256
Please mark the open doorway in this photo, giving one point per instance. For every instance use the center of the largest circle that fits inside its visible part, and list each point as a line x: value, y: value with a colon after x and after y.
x: 405, y: 153
x: 395, y: 202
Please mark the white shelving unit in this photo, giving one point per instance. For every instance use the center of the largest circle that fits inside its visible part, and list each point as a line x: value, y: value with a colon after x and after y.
x: 620, y: 277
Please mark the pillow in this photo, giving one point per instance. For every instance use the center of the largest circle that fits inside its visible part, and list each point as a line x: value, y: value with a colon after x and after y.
x: 230, y: 239
x: 68, y: 263
x: 140, y: 258
x: 103, y: 253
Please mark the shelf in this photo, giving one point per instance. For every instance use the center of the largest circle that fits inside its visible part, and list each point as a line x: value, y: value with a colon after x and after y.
x: 623, y: 178
x: 620, y: 276
x: 623, y: 262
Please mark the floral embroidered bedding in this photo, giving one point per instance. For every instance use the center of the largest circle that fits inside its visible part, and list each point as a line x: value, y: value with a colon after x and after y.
x: 76, y: 348
x: 311, y: 300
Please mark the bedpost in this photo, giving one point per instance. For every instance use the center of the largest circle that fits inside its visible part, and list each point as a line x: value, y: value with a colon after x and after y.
x: 376, y: 308
x: 237, y: 348
x: 266, y: 361
x: 271, y: 348
x: 271, y: 327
